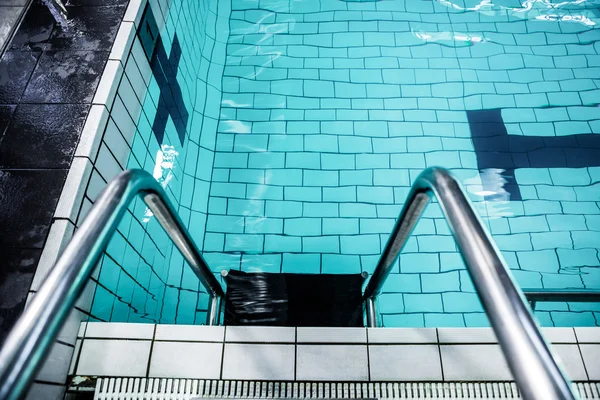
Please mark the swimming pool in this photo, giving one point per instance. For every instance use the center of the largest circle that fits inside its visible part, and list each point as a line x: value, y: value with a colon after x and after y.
x: 288, y: 134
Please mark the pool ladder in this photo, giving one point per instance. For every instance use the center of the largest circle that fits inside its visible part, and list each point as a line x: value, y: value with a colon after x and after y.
x: 529, y: 357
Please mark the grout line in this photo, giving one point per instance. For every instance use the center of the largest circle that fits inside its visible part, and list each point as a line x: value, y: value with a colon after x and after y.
x: 439, y: 347
x: 368, y: 362
x: 151, y: 351
x: 223, y: 353
x: 583, y: 361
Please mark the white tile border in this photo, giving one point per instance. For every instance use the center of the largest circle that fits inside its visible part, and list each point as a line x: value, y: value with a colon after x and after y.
x: 402, y: 335
x: 74, y: 189
x: 417, y: 362
x: 109, y: 82
x: 331, y: 335
x: 260, y: 334
x: 114, y: 357
x: 134, y: 11
x: 56, y: 365
x: 190, y: 333
x: 119, y: 330
x: 588, y: 335
x: 259, y: 361
x: 91, y: 136
x: 458, y: 360
x: 466, y: 335
x: 59, y: 236
x: 123, y: 42
x: 559, y: 335
x: 186, y: 359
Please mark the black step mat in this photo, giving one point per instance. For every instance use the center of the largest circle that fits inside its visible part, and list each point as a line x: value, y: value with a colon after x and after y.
x: 293, y: 299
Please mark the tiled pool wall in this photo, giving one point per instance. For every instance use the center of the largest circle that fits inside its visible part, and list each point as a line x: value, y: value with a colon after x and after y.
x: 329, y: 110
x: 149, y: 114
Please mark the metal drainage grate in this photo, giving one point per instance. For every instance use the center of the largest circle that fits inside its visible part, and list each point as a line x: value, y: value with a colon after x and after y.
x: 192, y: 389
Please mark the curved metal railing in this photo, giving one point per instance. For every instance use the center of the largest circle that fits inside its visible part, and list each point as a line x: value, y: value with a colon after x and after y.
x: 528, y: 355
x: 34, y: 333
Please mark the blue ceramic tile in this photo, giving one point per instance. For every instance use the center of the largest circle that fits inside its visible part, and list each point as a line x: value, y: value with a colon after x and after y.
x: 419, y: 263
x: 325, y: 244
x: 326, y: 113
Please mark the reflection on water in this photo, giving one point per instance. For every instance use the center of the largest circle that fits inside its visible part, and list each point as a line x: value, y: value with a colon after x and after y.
x: 544, y: 10
x: 493, y: 182
x: 163, y: 170
x: 541, y: 10
x: 441, y: 37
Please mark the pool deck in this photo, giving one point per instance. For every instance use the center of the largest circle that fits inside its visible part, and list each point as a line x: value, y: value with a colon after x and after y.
x: 315, y: 354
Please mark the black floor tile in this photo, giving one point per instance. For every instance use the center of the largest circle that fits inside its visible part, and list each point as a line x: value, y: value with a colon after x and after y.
x: 6, y: 112
x: 90, y: 28
x: 15, y: 70
x: 85, y: 3
x: 42, y: 136
x: 35, y: 30
x: 17, y: 267
x: 28, y: 199
x: 13, y: 3
x: 65, y: 77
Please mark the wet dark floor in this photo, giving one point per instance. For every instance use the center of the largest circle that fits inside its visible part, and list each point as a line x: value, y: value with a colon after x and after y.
x: 48, y: 78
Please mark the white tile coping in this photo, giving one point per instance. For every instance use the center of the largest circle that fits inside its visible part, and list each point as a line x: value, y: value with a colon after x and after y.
x: 402, y: 335
x: 331, y: 335
x: 91, y: 136
x: 134, y: 11
x: 591, y: 357
x: 58, y: 238
x: 481, y: 362
x: 192, y: 333
x: 259, y: 361
x: 487, y: 335
x: 277, y: 334
x: 461, y: 335
x: 114, y: 357
x: 260, y: 334
x: 340, y: 362
x: 123, y: 42
x: 588, y: 335
x: 405, y: 362
x: 109, y: 82
x: 186, y: 360
x: 76, y: 183
x: 119, y: 330
x: 279, y: 353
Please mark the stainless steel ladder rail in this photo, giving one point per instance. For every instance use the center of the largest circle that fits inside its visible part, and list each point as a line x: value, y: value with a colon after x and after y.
x: 528, y: 355
x: 34, y: 333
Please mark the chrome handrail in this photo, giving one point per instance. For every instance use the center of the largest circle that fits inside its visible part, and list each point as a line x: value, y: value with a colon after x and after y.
x: 31, y: 338
x: 528, y: 355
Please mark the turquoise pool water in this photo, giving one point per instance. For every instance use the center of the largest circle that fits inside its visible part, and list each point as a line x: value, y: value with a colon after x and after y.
x: 302, y: 124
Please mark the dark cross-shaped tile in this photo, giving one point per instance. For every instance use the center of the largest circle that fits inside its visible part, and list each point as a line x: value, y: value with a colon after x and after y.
x: 496, y: 149
x: 164, y: 70
x: 171, y: 99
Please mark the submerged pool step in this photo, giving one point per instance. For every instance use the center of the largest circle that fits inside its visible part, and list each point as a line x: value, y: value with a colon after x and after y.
x: 191, y: 389
x: 287, y: 299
